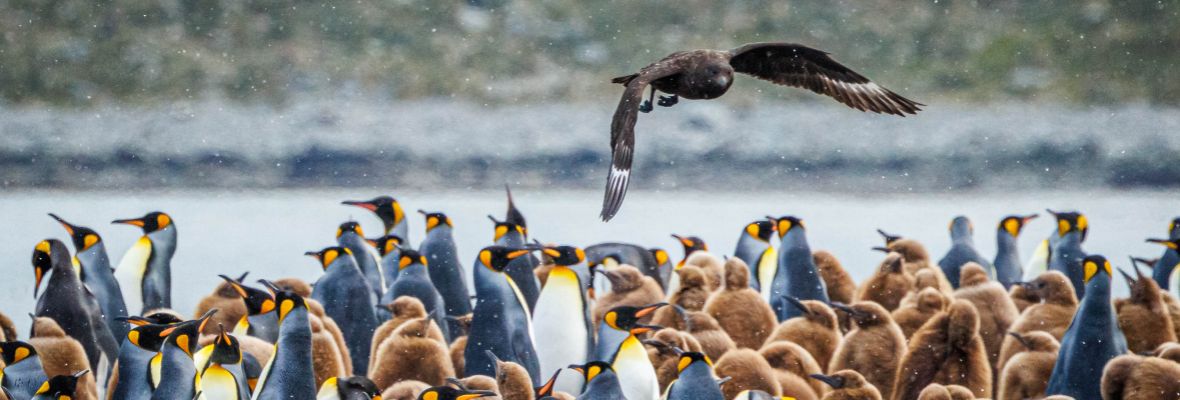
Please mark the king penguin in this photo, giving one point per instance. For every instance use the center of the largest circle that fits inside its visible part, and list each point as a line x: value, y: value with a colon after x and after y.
x: 337, y: 291
x: 61, y: 387
x: 601, y: 381
x: 755, y: 249
x: 67, y: 301
x: 501, y: 322
x: 509, y: 234
x: 637, y: 375
x: 962, y: 251
x: 696, y: 380
x: 562, y: 317
x: 1093, y: 338
x: 260, y: 320
x: 389, y: 247
x: 663, y: 266
x: 1008, y: 265
x: 289, y: 374
x: 1066, y: 253
x: 389, y: 211
x: 22, y: 373
x: 615, y: 327
x: 90, y: 254
x: 445, y: 270
x: 145, y: 272
x: 174, y: 372
x: 223, y: 376
x: 1164, y: 271
x: 796, y: 275
x: 414, y: 281
x: 140, y: 347
x: 351, y: 237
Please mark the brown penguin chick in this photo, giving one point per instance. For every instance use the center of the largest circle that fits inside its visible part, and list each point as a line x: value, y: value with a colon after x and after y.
x: 740, y: 310
x: 62, y: 355
x: 873, y: 347
x: 747, y: 370
x: 932, y: 278
x: 410, y: 353
x: 925, y: 305
x: 7, y: 328
x: 480, y: 382
x: 995, y: 309
x: 405, y: 390
x: 458, y: 346
x: 230, y: 308
x: 714, y: 341
x: 795, y: 387
x: 947, y: 350
x: 917, y: 259
x: 1143, y: 316
x: 1022, y: 297
x: 1173, y: 310
x: 402, y: 309
x: 1053, y: 314
x: 888, y: 285
x: 840, y: 286
x: 325, y: 354
x: 661, y: 350
x: 1131, y: 377
x: 317, y: 309
x: 936, y: 391
x: 1027, y: 374
x: 629, y: 287
x: 296, y: 285
x: 1168, y: 351
x: 848, y: 385
x: 816, y: 330
x: 790, y: 358
x: 690, y: 296
x: 513, y: 381
x: 712, y: 266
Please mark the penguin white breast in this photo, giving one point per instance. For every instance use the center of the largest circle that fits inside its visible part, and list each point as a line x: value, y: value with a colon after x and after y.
x: 217, y: 383
x: 636, y: 374
x: 130, y: 274
x: 767, y: 268
x: 562, y: 333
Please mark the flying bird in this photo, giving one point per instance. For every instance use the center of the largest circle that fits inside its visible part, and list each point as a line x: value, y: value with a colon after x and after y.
x: 708, y: 74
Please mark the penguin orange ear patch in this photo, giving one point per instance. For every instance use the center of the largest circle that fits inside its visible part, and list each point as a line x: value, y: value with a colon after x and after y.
x: 329, y: 256
x: 1090, y: 268
x: 405, y: 262
x: 162, y: 221
x: 501, y: 230
x: 1012, y: 226
x: 684, y: 363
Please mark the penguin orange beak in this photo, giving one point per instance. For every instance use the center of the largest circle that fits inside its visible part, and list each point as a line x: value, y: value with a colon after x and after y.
x: 1171, y: 244
x: 131, y: 221
x: 1027, y: 218
x: 64, y: 224
x: 648, y: 309
x: 641, y: 329
x: 476, y: 395
x: 362, y: 204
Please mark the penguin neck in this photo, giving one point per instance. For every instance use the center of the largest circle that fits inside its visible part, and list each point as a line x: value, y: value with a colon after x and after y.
x: 511, y: 239
x: 295, y: 328
x: 95, y: 261
x: 795, y: 241
x: 440, y: 232
x: 1005, y: 244
x: 605, y: 382
x: 163, y: 242
x: 401, y: 229
x: 415, y: 270
x: 1096, y: 302
x: 697, y: 372
x: 1070, y: 240
x: 962, y: 236
x: 491, y: 284
x: 1161, y: 272
x: 343, y: 266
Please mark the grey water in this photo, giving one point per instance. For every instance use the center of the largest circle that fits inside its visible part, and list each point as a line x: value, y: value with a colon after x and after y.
x: 266, y: 232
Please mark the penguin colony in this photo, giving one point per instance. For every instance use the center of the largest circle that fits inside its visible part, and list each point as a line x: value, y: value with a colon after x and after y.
x: 776, y: 320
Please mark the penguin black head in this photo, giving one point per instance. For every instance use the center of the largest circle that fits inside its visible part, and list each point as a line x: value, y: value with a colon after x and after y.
x: 226, y: 349
x: 328, y: 255
x: 410, y: 257
x: 61, y: 387
x: 16, y: 351
x: 257, y: 301
x: 450, y: 393
x: 565, y: 255
x: 546, y: 390
x: 145, y: 335
x: 761, y: 229
x: 503, y: 227
x: 592, y: 369
x: 1173, y: 244
x: 1071, y: 221
x: 82, y: 236
x: 689, y: 357
x: 387, y: 208
x: 350, y: 226
x: 889, y: 238
x: 691, y: 244
x: 434, y: 219
x: 287, y: 300
x: 785, y: 223
x: 961, y: 226
x: 185, y: 334
x: 1174, y: 228
x: 1093, y: 264
x: 386, y: 244
x: 151, y: 222
x: 626, y: 318
x: 514, y: 216
x: 1014, y: 223
x: 353, y: 387
x: 496, y: 258
x: 46, y: 255
x: 661, y: 255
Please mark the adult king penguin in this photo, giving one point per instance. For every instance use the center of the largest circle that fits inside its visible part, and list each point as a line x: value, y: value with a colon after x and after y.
x: 90, y: 254
x: 140, y: 350
x: 1164, y: 269
x: 513, y: 232
x: 601, y: 381
x: 797, y: 275
x: 260, y: 320
x: 562, y: 317
x: 61, y: 387
x: 414, y: 281
x: 962, y: 251
x: 445, y: 270
x: 501, y: 322
x: 22, y: 373
x: 1066, y: 253
x: 337, y: 291
x: 696, y: 380
x: 389, y: 247
x: 351, y: 237
x: 289, y: 374
x: 615, y: 327
x: 145, y: 272
x: 1093, y: 338
x: 66, y: 301
x: 1008, y: 265
x: 637, y: 375
x: 174, y: 373
x: 223, y: 376
x: 389, y: 211
x: 755, y: 249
